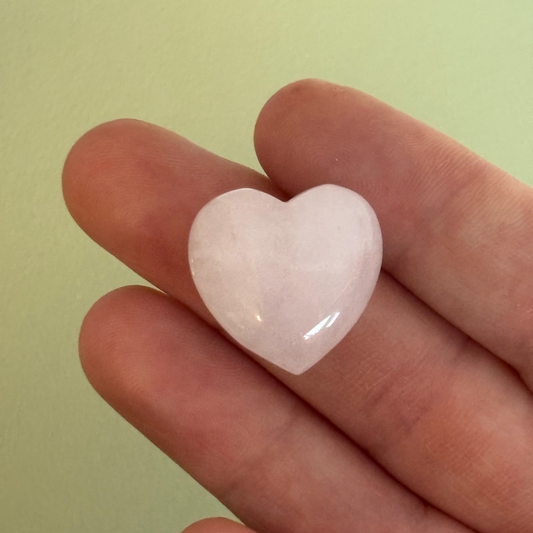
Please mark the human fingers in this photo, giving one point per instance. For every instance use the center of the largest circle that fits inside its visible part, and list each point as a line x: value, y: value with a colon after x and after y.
x: 443, y: 415
x: 135, y: 188
x: 263, y: 452
x: 457, y: 231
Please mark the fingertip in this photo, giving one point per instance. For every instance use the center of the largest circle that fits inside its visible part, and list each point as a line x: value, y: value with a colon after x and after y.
x: 291, y: 117
x: 283, y: 103
x: 106, y: 324
x: 89, y: 150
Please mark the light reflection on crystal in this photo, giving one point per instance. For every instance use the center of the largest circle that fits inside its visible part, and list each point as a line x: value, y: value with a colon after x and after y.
x: 317, y: 328
x: 333, y: 318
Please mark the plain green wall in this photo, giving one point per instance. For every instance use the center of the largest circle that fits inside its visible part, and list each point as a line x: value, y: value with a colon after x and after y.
x: 68, y: 463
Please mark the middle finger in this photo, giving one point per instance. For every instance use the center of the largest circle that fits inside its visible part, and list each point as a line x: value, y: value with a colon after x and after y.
x: 441, y: 413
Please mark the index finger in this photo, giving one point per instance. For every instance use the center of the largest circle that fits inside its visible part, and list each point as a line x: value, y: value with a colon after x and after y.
x: 457, y: 231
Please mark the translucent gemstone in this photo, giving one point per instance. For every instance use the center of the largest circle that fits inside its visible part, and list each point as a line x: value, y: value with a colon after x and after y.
x: 286, y: 280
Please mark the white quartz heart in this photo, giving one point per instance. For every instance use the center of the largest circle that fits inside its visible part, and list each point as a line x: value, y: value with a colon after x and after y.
x: 287, y: 280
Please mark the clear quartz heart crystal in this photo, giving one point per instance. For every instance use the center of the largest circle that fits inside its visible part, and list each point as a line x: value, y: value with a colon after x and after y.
x: 287, y: 280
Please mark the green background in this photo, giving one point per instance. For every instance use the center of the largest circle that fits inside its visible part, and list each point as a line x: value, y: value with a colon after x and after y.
x: 68, y: 463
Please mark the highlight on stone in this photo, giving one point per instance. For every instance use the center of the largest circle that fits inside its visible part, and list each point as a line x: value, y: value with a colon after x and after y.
x: 286, y: 280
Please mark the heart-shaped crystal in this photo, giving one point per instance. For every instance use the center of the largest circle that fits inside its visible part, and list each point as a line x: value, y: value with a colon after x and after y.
x: 287, y: 280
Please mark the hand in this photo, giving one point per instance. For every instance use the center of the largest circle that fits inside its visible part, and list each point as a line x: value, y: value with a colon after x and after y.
x: 420, y: 420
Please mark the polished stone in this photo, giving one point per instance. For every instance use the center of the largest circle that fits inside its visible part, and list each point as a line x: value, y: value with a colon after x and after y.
x: 286, y: 280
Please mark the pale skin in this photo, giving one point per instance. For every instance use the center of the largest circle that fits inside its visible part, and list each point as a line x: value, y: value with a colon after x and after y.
x: 420, y: 420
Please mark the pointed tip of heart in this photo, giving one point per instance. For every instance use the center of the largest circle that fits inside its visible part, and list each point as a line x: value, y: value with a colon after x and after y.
x: 297, y: 369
